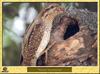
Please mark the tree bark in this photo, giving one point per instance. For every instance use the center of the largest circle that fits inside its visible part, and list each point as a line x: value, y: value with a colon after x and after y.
x: 79, y: 48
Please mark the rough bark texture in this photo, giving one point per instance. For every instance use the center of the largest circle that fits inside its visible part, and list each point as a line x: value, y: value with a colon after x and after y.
x: 75, y: 42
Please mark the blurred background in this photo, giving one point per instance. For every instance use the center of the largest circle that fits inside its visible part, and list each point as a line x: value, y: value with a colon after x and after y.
x: 17, y: 17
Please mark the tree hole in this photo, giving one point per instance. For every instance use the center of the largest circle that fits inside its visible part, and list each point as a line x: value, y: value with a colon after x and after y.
x: 72, y: 29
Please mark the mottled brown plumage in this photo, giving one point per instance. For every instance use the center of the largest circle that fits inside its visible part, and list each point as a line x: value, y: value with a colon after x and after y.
x: 38, y: 34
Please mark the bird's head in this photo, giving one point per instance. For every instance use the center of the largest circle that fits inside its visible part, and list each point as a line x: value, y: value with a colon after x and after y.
x: 51, y: 12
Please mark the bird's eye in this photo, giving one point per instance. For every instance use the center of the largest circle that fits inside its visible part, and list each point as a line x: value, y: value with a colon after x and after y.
x: 52, y: 7
x: 47, y: 9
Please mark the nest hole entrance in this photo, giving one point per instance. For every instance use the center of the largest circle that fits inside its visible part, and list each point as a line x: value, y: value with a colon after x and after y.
x: 72, y: 29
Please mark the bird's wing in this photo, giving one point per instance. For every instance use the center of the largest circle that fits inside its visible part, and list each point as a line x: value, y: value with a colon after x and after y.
x: 32, y: 41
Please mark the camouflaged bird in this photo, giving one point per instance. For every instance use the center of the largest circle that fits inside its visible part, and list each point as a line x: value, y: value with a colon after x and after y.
x: 38, y: 34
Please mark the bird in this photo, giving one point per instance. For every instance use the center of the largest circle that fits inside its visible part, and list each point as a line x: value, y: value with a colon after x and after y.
x: 37, y: 35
